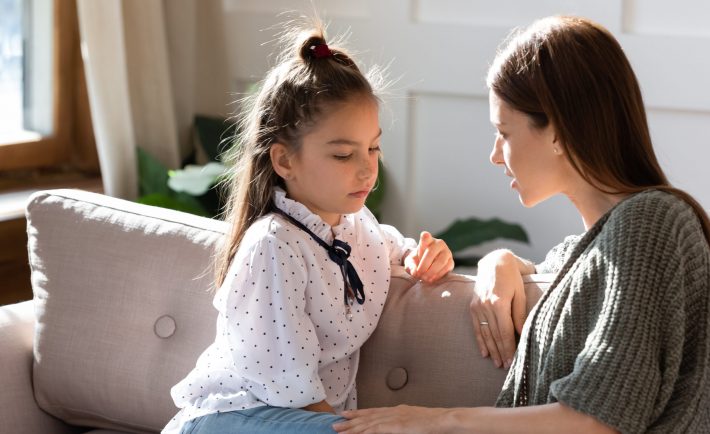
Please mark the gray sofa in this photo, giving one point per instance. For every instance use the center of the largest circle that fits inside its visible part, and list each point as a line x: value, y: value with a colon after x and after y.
x: 122, y: 309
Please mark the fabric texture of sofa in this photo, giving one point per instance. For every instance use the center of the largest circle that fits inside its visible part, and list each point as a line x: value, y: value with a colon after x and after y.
x: 122, y: 308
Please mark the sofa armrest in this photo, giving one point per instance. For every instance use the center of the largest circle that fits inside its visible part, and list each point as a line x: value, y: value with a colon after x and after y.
x: 19, y: 412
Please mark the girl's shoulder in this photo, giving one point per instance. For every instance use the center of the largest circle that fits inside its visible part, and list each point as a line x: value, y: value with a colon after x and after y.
x: 269, y: 229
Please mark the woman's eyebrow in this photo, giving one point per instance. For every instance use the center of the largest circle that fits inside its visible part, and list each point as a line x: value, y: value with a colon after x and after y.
x: 350, y: 142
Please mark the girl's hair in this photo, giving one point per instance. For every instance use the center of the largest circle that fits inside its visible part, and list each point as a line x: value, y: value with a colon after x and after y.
x: 571, y: 72
x: 309, y: 78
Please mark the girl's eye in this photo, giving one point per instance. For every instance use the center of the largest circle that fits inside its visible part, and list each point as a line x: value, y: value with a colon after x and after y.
x: 374, y: 149
x: 342, y: 157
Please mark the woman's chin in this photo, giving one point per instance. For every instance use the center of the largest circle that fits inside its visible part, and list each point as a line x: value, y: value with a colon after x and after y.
x: 526, y: 200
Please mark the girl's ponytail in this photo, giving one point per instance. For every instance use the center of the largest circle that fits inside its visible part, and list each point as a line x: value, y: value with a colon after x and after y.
x: 309, y: 76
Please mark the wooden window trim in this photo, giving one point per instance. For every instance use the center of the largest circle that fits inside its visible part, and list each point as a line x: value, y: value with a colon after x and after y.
x: 71, y: 145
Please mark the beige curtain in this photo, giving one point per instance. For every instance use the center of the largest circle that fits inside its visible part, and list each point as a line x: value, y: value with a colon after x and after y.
x: 146, y: 63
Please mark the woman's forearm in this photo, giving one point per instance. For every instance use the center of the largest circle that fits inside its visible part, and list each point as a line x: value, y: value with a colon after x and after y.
x: 549, y: 418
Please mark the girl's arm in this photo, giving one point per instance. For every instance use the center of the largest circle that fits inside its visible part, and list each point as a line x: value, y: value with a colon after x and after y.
x: 549, y: 418
x: 498, y: 308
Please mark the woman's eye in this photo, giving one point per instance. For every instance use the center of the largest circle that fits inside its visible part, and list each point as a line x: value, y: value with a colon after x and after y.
x: 375, y: 149
x: 343, y: 157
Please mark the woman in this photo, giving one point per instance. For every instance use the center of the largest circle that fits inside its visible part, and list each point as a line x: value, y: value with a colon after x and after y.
x: 621, y: 340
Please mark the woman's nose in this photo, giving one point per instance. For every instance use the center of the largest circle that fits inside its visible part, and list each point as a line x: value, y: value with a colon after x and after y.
x: 496, y: 154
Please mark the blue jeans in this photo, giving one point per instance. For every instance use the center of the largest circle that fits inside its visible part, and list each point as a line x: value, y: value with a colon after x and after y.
x: 263, y: 420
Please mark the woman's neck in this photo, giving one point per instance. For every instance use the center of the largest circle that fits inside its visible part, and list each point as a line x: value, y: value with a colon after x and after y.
x: 592, y: 203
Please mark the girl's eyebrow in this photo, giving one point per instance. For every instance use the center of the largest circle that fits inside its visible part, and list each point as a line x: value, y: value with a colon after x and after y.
x: 350, y: 142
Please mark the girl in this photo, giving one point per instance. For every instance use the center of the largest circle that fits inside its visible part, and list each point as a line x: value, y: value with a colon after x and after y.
x: 620, y: 342
x: 305, y: 270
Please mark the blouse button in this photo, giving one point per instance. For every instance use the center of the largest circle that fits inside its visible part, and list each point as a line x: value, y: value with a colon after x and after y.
x: 397, y: 378
x: 164, y: 327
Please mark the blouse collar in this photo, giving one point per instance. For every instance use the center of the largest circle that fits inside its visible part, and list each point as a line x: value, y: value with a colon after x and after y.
x: 343, y: 231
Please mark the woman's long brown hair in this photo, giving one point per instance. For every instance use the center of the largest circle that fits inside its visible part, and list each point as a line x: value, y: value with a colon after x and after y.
x: 573, y: 73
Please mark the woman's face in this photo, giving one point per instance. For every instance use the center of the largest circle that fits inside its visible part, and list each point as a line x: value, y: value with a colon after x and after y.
x: 529, y: 155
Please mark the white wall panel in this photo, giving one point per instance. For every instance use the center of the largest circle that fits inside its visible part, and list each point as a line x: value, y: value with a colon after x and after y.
x: 331, y: 7
x: 436, y: 134
x: 682, y: 143
x: 663, y: 17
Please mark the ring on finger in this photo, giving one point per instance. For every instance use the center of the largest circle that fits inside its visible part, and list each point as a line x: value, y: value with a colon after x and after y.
x: 484, y: 323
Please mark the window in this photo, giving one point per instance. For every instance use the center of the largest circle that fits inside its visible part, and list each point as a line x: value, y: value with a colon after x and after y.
x: 26, y: 57
x: 43, y: 102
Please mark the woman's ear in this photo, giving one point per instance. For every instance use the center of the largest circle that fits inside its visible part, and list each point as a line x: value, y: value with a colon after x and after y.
x: 281, y: 160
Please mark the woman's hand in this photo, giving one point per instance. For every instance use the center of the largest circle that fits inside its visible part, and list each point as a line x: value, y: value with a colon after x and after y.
x: 400, y: 419
x: 431, y: 260
x: 499, y: 305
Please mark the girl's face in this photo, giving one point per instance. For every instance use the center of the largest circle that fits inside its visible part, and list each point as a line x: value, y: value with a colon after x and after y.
x: 529, y: 155
x: 336, y: 166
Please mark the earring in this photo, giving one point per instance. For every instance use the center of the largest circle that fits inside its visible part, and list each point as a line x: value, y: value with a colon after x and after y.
x: 556, y: 151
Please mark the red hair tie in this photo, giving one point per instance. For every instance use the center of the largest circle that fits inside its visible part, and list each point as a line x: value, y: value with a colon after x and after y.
x: 321, y: 50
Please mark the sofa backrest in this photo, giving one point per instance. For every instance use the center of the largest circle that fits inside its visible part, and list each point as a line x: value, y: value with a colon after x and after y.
x: 124, y: 308
x: 424, y: 352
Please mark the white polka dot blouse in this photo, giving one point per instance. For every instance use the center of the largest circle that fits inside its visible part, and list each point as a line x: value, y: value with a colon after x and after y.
x: 283, y: 337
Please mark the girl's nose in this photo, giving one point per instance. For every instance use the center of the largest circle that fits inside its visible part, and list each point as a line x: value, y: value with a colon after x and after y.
x: 368, y: 168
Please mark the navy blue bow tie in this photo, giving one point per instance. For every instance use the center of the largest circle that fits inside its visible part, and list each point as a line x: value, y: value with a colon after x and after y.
x: 339, y: 252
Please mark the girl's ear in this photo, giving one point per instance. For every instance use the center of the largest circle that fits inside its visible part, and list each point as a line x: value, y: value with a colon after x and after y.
x: 281, y: 160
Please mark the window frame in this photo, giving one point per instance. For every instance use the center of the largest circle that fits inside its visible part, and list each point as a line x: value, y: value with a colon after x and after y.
x: 71, y: 143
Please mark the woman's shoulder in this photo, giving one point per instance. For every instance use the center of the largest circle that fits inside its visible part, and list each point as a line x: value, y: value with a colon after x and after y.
x: 656, y: 225
x: 652, y: 211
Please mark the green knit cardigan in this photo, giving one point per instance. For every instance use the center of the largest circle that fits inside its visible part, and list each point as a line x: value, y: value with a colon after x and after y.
x: 623, y: 333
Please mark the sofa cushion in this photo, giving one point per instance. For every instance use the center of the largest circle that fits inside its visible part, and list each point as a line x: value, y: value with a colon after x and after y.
x: 424, y: 352
x: 123, y: 306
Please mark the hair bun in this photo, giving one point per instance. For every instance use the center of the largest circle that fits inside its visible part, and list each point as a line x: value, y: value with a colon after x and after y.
x: 314, y: 48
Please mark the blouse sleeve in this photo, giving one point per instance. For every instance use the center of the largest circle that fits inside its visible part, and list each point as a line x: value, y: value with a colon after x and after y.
x: 271, y: 337
x: 633, y: 351
x: 397, y: 244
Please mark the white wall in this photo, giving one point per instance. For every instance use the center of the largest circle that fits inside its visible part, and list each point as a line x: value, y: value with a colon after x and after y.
x: 436, y: 130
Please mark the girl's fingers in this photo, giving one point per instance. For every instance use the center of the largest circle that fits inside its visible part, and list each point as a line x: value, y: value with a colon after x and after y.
x: 431, y: 254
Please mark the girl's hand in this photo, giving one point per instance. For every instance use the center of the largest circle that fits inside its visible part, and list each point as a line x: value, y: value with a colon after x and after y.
x: 431, y: 260
x: 320, y: 407
x: 400, y: 419
x: 499, y: 305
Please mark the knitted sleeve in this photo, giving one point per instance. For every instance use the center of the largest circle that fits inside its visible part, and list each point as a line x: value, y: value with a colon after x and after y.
x: 631, y: 357
x: 557, y: 256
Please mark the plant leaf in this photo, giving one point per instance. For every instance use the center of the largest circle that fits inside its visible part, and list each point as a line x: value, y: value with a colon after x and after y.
x: 182, y: 203
x: 152, y: 175
x: 472, y: 232
x: 466, y: 261
x: 196, y: 180
x: 376, y: 196
x: 215, y: 135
